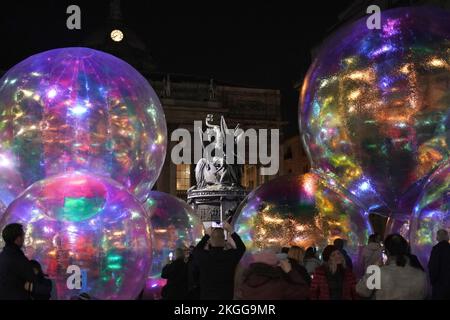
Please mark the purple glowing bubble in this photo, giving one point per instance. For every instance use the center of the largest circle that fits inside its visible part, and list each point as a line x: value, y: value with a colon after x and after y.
x: 375, y: 105
x: 81, y: 109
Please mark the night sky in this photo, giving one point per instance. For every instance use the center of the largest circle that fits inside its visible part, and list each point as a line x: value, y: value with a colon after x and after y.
x: 257, y: 44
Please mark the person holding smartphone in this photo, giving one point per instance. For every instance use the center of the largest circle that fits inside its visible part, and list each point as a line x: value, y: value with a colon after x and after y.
x: 216, y: 265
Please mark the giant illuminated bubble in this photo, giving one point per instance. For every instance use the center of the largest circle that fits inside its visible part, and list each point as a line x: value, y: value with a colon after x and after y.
x: 375, y: 105
x: 11, y: 184
x: 81, y: 109
x: 175, y: 225
x: 88, y: 222
x: 431, y: 213
x: 303, y: 210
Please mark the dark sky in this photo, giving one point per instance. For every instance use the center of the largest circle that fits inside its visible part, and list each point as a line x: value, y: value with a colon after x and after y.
x: 258, y: 44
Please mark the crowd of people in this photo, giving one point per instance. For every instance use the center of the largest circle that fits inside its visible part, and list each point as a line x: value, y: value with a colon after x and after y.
x: 216, y: 269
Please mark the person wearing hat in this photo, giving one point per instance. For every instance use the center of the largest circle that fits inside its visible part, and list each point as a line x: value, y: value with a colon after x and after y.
x: 333, y: 280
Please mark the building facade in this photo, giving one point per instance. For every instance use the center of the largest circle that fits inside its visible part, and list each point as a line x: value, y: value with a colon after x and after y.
x: 189, y: 98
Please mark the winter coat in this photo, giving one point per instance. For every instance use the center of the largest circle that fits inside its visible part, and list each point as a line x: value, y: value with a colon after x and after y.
x: 216, y: 268
x: 264, y: 282
x: 439, y: 268
x: 15, y: 271
x: 301, y: 270
x: 176, y: 274
x: 396, y: 283
x: 320, y: 289
x: 42, y: 288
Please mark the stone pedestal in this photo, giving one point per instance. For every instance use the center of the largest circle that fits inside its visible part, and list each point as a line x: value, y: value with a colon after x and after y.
x: 215, y: 203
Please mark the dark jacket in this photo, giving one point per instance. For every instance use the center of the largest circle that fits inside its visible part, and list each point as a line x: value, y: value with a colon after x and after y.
x: 216, y: 268
x: 439, y: 268
x: 348, y: 260
x: 320, y: 289
x: 265, y: 282
x: 301, y: 270
x: 193, y: 279
x: 42, y: 288
x: 15, y: 271
x: 176, y: 274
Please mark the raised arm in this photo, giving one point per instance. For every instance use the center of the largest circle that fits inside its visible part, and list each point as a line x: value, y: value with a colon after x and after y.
x: 240, y: 246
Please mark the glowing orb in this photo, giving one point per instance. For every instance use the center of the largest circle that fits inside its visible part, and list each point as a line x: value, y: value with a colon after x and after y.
x: 11, y: 184
x: 81, y: 109
x: 375, y: 104
x: 300, y: 210
x: 431, y: 213
x: 89, y: 222
x: 175, y: 225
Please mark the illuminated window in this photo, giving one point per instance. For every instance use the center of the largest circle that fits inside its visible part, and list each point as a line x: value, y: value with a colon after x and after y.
x: 183, y: 177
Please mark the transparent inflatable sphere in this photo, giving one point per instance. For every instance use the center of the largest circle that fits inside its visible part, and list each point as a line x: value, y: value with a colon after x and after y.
x: 76, y: 109
x: 375, y: 104
x: 431, y: 213
x: 175, y: 225
x: 78, y: 224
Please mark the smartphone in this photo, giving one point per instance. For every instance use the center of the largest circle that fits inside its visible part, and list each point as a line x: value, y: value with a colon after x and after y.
x: 217, y: 224
x: 170, y: 256
x: 384, y: 258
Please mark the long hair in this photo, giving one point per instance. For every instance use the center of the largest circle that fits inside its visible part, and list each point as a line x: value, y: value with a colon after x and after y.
x: 296, y: 253
x: 396, y: 246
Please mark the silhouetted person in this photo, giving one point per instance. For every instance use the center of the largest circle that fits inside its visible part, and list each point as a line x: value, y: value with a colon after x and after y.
x: 193, y: 276
x: 439, y: 267
x: 339, y: 244
x: 176, y: 273
x: 42, y: 286
x: 16, y: 272
x: 216, y: 265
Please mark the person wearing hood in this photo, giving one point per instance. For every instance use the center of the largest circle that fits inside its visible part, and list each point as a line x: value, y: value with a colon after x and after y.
x: 268, y: 278
x: 372, y: 253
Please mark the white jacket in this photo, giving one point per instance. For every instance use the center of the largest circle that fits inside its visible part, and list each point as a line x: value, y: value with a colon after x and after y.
x: 397, y: 283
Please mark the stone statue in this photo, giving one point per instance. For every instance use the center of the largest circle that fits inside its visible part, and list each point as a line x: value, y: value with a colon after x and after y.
x: 216, y: 170
x: 218, y: 189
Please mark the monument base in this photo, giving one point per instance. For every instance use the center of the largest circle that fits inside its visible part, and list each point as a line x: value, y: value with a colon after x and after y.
x: 215, y: 203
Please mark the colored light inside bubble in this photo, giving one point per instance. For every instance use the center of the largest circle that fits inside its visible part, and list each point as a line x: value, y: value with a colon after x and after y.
x: 79, y: 110
x: 386, y: 124
x: 51, y: 93
x: 93, y: 118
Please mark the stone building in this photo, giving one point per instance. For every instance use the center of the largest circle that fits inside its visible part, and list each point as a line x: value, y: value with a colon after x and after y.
x: 189, y: 98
